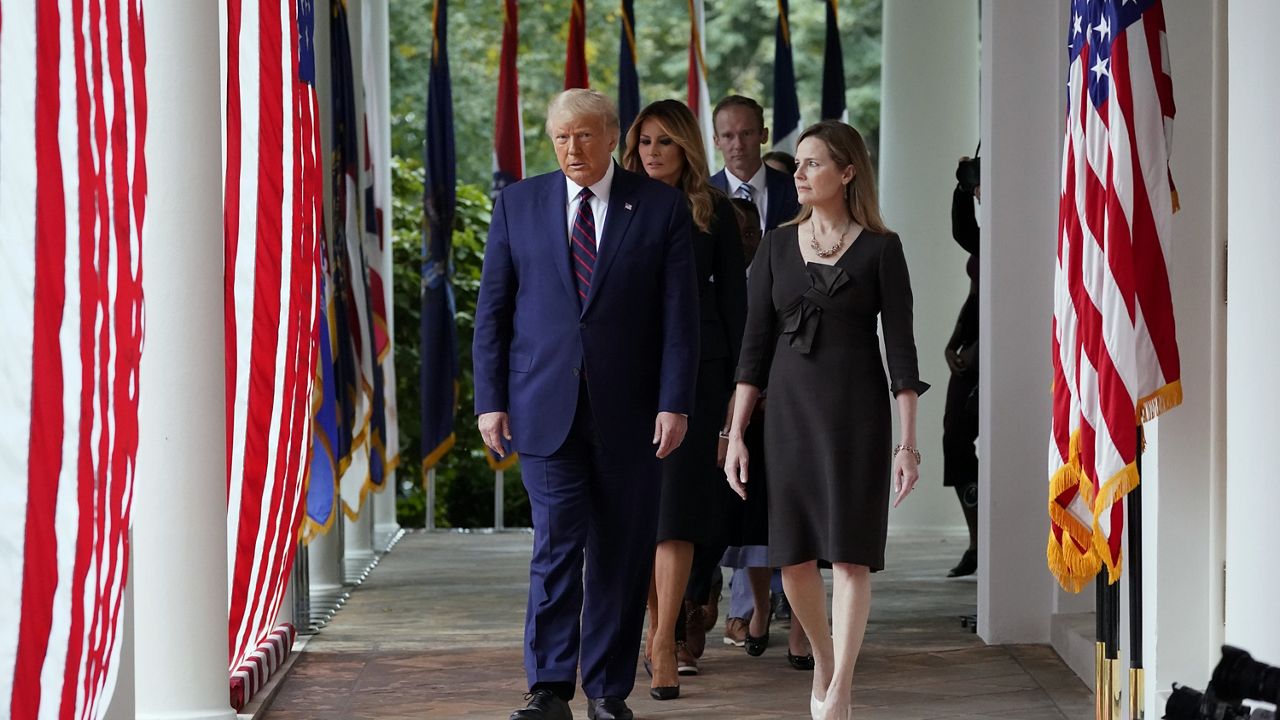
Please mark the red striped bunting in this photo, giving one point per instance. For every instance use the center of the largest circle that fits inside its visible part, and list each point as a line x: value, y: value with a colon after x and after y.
x: 272, y: 262
x: 72, y: 194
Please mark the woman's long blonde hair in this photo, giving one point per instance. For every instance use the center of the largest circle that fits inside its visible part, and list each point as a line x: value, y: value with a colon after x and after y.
x: 680, y: 125
x: 847, y: 148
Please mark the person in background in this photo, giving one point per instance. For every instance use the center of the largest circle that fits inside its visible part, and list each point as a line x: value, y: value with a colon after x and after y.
x: 664, y: 143
x: 817, y: 288
x: 960, y: 416
x: 740, y: 135
x: 585, y: 357
x: 780, y: 161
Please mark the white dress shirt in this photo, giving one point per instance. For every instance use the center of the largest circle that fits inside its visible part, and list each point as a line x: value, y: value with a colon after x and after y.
x: 599, y: 203
x: 759, y: 190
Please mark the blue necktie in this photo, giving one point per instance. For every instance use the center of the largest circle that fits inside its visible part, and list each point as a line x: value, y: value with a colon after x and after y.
x: 583, y: 250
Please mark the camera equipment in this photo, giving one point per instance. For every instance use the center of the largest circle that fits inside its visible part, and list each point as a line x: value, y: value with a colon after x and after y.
x: 1189, y: 704
x: 1240, y: 677
x: 969, y: 173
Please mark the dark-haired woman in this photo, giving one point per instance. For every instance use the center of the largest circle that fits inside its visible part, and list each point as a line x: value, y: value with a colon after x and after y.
x: 665, y: 143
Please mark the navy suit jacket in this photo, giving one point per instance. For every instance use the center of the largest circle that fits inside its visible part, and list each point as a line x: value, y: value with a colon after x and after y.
x: 635, y: 336
x: 783, y: 205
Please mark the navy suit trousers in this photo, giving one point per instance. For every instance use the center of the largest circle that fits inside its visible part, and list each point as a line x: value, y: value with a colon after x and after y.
x: 599, y: 510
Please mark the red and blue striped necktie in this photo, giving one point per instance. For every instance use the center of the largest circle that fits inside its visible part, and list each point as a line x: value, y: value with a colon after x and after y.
x: 583, y: 249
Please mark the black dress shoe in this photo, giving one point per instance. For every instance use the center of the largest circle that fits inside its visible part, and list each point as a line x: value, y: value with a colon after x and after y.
x: 757, y: 645
x: 544, y: 705
x: 608, y: 708
x: 968, y: 564
x: 800, y: 662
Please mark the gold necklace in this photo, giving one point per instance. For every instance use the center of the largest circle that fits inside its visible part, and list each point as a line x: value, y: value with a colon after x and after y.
x: 813, y: 241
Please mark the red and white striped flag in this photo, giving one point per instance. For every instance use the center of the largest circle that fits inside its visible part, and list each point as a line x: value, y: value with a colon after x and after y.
x: 73, y: 188
x: 1115, y: 354
x: 272, y: 230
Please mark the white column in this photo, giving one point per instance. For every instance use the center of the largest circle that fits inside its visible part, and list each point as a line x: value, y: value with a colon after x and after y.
x: 1253, y: 395
x: 325, y: 561
x: 358, y: 534
x: 123, y: 703
x: 928, y: 120
x: 384, y: 502
x: 1183, y: 466
x: 180, y: 524
x: 358, y: 538
x: 1022, y: 81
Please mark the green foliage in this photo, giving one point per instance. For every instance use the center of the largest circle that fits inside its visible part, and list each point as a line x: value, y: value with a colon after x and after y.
x: 740, y: 46
x: 464, y: 481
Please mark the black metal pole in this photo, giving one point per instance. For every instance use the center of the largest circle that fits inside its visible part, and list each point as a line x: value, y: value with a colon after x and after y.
x: 1137, y: 679
x: 1134, y: 513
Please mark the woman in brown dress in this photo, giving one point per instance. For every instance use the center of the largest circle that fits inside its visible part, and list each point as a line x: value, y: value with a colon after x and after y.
x: 816, y: 289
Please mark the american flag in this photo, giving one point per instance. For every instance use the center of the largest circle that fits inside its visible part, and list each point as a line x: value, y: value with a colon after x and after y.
x: 1115, y: 354
x: 272, y: 226
x: 73, y: 189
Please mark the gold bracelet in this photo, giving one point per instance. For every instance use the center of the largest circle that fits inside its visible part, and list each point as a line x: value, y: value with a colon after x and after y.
x: 908, y: 448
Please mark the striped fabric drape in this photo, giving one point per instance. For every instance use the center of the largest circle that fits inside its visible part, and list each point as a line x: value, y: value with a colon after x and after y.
x: 272, y: 205
x: 73, y: 188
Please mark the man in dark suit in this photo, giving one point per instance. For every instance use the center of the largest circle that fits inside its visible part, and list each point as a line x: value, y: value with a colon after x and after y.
x: 586, y: 352
x: 740, y: 133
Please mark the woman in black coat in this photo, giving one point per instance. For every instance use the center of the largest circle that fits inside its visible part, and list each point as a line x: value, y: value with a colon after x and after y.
x: 666, y: 144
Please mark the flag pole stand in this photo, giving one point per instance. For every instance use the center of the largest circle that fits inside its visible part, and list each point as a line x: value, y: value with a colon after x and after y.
x: 431, y: 500
x: 1137, y: 679
x: 499, y: 480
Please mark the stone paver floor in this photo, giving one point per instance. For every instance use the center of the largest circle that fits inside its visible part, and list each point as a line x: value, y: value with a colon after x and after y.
x: 435, y: 632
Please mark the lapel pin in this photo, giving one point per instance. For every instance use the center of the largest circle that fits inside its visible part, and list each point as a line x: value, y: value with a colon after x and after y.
x: 627, y: 205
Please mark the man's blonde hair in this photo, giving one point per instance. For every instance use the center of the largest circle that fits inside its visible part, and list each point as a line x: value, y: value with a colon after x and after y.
x: 578, y: 102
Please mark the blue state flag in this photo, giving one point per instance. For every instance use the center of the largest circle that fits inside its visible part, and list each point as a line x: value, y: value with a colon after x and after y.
x: 786, y: 103
x: 439, y: 358
x: 833, y: 100
x: 628, y: 80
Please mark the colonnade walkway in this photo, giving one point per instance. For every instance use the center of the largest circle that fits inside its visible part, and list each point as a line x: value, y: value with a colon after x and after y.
x: 436, y: 629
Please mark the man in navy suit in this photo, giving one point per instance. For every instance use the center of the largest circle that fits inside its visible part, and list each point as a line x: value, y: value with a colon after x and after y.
x: 586, y: 352
x: 740, y: 133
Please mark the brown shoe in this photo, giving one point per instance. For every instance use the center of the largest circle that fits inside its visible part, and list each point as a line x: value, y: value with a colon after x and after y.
x: 735, y: 632
x: 686, y: 663
x: 695, y: 631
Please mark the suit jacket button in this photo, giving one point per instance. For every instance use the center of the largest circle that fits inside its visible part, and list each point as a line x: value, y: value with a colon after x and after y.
x: 582, y: 326
x: 575, y: 372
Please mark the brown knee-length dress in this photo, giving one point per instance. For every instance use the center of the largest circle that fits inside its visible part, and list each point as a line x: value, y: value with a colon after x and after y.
x: 811, y: 339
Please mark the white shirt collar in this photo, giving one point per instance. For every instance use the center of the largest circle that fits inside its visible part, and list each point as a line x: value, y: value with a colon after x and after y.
x: 600, y: 189
x: 757, y: 181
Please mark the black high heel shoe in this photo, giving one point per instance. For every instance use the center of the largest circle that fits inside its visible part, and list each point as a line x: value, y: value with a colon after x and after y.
x: 757, y: 645
x: 968, y: 564
x: 662, y: 692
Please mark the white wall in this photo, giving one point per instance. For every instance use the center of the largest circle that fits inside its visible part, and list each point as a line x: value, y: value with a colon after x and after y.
x: 1253, y: 394
x: 1182, y: 478
x: 1022, y: 79
x: 928, y: 119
